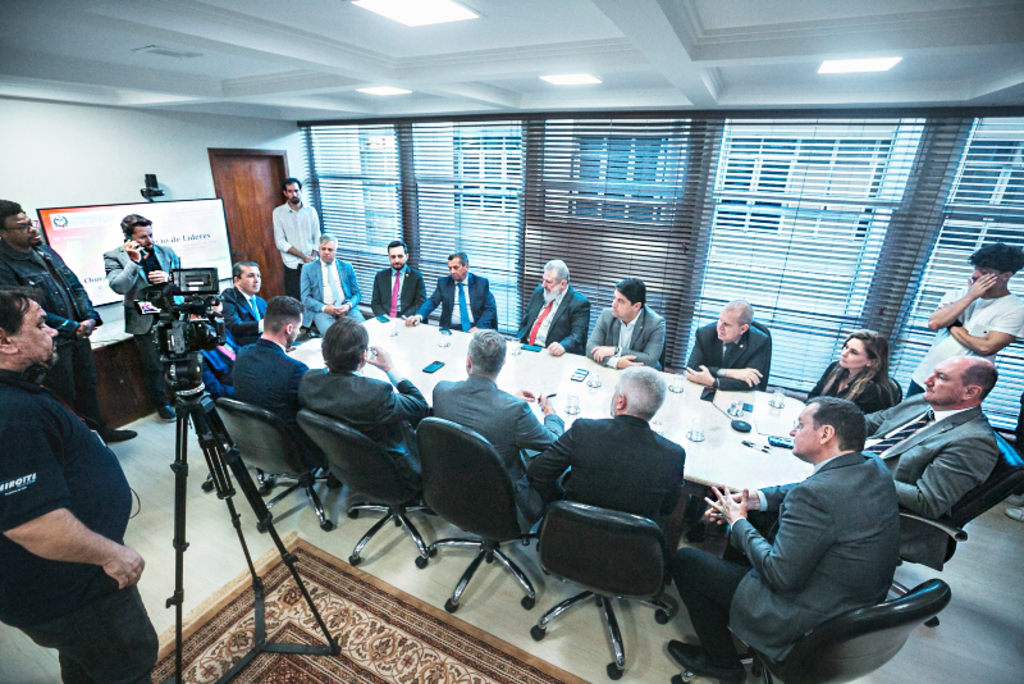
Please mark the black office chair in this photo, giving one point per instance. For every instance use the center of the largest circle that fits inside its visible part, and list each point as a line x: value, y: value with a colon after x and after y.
x: 763, y: 385
x: 465, y: 482
x: 368, y: 470
x: 267, y: 443
x: 610, y: 555
x: 855, y: 643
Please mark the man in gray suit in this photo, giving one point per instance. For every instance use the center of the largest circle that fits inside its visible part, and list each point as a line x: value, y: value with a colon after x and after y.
x: 939, y: 446
x: 828, y: 552
x: 136, y: 264
x: 628, y: 333
x: 506, y: 421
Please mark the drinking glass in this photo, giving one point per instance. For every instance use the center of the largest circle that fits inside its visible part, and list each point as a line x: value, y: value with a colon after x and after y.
x: 676, y: 384
x: 778, y: 400
x: 515, y: 347
x: 696, y: 433
x: 572, y: 405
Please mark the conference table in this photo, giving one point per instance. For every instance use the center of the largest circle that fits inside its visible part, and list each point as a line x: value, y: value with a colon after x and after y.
x: 721, y: 458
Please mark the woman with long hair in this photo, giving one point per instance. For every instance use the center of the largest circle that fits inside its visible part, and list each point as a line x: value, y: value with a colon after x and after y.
x: 861, y: 374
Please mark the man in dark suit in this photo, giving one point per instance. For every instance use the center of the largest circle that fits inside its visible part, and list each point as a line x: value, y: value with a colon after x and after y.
x: 558, y: 316
x: 329, y: 289
x: 833, y: 548
x: 506, y: 421
x: 399, y: 290
x: 264, y: 375
x: 731, y: 355
x: 939, y: 446
x: 628, y: 333
x: 618, y: 463
x: 368, y: 405
x: 244, y: 309
x: 466, y: 300
x: 136, y: 264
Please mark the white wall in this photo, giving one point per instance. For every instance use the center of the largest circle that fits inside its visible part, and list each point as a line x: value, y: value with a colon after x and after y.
x: 64, y: 155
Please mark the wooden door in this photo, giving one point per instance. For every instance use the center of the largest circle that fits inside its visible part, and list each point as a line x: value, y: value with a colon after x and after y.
x: 249, y: 182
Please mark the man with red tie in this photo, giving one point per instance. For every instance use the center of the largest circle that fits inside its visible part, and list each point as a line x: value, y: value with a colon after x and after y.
x: 398, y: 291
x: 558, y: 317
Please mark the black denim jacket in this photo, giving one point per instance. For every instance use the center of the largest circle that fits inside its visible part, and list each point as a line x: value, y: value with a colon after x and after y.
x: 19, y: 269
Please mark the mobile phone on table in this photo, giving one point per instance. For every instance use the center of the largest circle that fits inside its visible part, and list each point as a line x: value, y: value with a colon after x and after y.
x: 748, y: 407
x: 781, y: 442
x: 434, y: 367
x: 383, y: 319
x: 708, y: 394
x: 531, y: 347
x: 579, y: 375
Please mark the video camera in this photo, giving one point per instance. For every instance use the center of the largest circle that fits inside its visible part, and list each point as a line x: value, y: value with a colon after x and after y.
x: 187, y: 322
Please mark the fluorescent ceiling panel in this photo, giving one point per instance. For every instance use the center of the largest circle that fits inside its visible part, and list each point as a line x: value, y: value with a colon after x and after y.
x: 418, y: 12
x: 854, y: 66
x: 383, y: 90
x: 570, y: 79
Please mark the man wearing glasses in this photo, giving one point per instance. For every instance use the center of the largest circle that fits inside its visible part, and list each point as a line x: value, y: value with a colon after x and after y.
x: 26, y: 262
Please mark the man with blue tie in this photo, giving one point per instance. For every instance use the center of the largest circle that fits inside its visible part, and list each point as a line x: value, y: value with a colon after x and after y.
x: 243, y: 308
x: 329, y: 289
x: 466, y: 300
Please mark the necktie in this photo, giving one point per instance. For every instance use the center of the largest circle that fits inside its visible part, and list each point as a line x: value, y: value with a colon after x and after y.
x: 540, y: 319
x: 333, y: 277
x: 463, y: 310
x: 394, y: 295
x: 727, y: 354
x: 227, y: 351
x: 906, y: 431
x: 255, y: 309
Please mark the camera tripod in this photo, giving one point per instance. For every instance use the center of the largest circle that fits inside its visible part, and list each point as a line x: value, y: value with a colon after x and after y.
x: 192, y: 403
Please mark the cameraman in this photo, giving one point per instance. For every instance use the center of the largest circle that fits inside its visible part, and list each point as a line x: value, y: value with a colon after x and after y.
x: 68, y: 582
x: 137, y: 263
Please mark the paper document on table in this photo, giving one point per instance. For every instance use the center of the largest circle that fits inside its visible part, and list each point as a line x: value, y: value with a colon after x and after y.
x: 769, y: 424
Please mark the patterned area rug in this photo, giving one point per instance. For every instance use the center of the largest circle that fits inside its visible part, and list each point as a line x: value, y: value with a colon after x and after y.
x: 385, y: 634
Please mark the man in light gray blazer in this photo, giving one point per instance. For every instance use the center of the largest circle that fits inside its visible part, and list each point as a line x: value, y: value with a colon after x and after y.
x: 137, y: 264
x: 936, y: 459
x: 506, y: 421
x: 325, y: 303
x: 628, y: 333
x: 834, y: 547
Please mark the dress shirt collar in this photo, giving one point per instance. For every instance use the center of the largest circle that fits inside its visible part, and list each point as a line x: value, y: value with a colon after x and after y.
x: 942, y: 415
x: 248, y: 298
x: 404, y: 271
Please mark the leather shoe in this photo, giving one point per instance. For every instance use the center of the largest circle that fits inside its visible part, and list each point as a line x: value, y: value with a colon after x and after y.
x: 333, y: 482
x: 166, y: 413
x: 1015, y: 513
x: 695, y: 659
x: 110, y: 435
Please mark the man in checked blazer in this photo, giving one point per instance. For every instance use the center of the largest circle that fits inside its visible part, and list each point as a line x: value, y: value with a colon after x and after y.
x: 628, y: 333
x: 244, y: 309
x: 937, y: 459
x: 558, y: 316
x: 412, y: 292
x: 730, y: 354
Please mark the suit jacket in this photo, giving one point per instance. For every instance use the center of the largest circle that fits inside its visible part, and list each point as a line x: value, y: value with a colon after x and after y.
x: 504, y: 420
x: 218, y: 368
x: 410, y: 299
x: 311, y: 287
x: 934, y: 469
x: 832, y: 552
x: 483, y: 308
x: 239, y: 319
x: 126, y: 277
x: 648, y: 339
x: 265, y: 376
x: 754, y: 352
x: 372, y: 407
x: 618, y: 463
x: 569, y: 326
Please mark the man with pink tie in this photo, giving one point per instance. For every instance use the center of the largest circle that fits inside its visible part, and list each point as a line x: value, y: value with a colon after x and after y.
x: 399, y: 290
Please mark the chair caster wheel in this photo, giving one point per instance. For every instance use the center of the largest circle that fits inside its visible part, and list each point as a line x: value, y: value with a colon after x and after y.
x: 933, y: 623
x: 421, y: 562
x: 354, y: 560
x: 451, y: 607
x: 432, y: 551
x: 538, y: 633
x: 528, y: 602
x: 681, y: 679
x: 327, y: 525
x: 613, y: 671
x: 208, y: 486
x: 398, y: 523
x: 353, y: 514
x: 662, y: 617
x: 261, y: 528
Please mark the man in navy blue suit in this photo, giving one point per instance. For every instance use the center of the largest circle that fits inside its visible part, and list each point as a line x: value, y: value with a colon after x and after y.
x: 266, y: 376
x: 466, y: 300
x: 244, y: 309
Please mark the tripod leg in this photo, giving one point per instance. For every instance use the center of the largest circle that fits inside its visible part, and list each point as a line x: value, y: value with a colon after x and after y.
x: 180, y: 469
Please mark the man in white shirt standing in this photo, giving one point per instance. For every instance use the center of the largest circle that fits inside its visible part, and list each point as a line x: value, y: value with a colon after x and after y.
x: 979, y: 319
x: 296, y: 232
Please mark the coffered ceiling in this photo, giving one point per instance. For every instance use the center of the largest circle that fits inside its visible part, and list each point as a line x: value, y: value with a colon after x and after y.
x: 305, y: 59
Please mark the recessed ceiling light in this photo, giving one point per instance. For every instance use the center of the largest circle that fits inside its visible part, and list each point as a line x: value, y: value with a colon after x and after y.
x: 418, y: 12
x: 383, y: 90
x: 570, y: 79
x: 852, y: 66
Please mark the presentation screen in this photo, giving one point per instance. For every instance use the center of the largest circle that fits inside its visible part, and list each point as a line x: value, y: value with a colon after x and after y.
x: 195, y: 229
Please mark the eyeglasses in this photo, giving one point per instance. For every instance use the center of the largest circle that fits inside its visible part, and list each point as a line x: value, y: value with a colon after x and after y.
x: 24, y: 226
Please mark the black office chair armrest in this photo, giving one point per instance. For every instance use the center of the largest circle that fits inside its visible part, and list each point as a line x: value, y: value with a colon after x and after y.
x: 957, y: 533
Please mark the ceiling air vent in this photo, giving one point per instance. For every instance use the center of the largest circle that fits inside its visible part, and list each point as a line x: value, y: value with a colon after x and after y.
x: 168, y: 52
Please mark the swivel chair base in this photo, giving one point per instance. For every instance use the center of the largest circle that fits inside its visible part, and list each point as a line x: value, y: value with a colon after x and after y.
x: 396, y: 513
x: 306, y: 481
x: 663, y: 613
x: 486, y: 550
